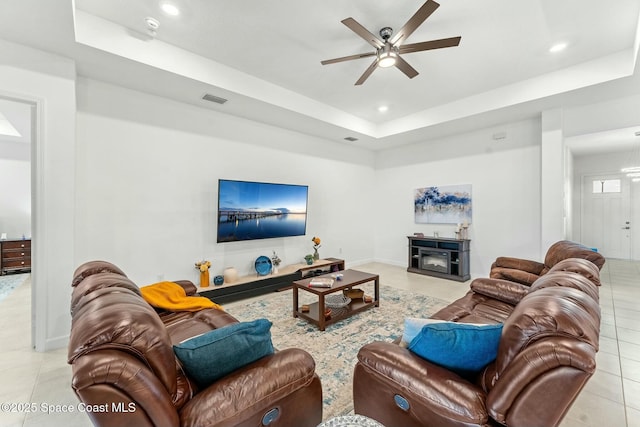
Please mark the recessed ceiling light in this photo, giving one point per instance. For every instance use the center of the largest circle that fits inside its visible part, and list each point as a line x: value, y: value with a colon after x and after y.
x: 383, y: 108
x: 558, y: 47
x: 170, y: 9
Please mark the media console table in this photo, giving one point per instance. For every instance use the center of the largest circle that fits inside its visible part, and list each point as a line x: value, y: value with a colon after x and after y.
x: 439, y: 257
x: 254, y: 285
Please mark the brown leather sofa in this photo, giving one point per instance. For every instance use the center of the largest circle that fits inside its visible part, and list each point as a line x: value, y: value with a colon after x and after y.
x: 126, y: 374
x: 528, y: 271
x: 547, y: 352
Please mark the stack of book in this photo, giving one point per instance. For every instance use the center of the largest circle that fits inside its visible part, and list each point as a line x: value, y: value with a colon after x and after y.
x: 321, y: 282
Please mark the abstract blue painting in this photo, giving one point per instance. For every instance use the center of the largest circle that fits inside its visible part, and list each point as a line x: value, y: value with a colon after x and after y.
x: 447, y: 204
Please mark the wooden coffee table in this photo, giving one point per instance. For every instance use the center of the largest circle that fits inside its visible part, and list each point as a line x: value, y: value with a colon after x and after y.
x: 350, y: 279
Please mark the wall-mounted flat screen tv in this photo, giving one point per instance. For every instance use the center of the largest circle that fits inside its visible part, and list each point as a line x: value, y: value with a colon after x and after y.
x: 259, y: 210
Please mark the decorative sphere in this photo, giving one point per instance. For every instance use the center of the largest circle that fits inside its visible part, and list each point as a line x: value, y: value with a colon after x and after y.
x: 218, y: 280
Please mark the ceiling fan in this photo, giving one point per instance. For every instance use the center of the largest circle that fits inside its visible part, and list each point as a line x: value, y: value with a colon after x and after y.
x: 389, y: 49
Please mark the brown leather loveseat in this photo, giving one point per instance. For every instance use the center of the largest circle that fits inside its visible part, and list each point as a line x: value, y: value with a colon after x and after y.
x: 528, y: 271
x: 546, y: 354
x: 125, y: 371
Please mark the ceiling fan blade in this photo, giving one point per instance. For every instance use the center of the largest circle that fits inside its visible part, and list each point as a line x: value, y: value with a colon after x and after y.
x: 363, y: 32
x: 347, y: 58
x: 367, y: 73
x: 432, y: 44
x: 414, y: 22
x: 404, y: 66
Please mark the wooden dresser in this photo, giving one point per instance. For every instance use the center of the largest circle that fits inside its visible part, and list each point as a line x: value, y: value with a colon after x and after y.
x: 15, y: 255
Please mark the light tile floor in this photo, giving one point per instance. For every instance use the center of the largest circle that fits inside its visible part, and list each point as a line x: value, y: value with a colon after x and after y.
x: 611, y: 397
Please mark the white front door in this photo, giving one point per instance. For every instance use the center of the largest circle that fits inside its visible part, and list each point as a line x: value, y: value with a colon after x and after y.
x: 606, y: 214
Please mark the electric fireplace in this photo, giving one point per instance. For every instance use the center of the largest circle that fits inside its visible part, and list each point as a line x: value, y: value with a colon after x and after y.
x: 434, y: 260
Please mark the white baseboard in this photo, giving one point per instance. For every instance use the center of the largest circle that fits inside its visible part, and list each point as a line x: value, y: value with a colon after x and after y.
x: 56, y: 343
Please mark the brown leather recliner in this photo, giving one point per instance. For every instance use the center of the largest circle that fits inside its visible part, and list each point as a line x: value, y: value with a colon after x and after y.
x: 527, y: 271
x: 125, y: 372
x: 547, y: 352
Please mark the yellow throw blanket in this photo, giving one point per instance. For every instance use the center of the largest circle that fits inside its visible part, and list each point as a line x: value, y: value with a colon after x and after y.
x: 171, y: 296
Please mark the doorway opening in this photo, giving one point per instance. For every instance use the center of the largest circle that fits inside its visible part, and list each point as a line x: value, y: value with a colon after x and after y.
x: 17, y: 172
x: 606, y: 214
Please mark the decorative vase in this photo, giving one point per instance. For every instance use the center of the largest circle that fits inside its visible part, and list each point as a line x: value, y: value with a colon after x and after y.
x: 230, y: 275
x: 274, y: 269
x: 218, y: 280
x: 316, y: 255
x: 309, y: 260
x: 204, y: 279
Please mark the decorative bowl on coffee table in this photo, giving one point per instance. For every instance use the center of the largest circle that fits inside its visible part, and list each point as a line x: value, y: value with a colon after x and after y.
x: 336, y: 301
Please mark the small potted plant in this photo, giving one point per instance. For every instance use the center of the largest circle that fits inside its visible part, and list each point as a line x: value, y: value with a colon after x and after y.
x: 204, y: 266
x: 316, y: 245
x: 309, y: 259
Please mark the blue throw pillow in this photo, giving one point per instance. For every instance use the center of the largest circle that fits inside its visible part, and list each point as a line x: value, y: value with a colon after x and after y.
x: 212, y: 355
x: 457, y: 346
x: 413, y: 326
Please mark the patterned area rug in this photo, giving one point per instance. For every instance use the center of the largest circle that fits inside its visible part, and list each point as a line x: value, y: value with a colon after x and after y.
x: 335, y: 350
x: 11, y: 281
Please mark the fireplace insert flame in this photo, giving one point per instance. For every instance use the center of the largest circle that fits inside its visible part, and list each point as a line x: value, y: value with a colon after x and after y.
x: 435, y: 261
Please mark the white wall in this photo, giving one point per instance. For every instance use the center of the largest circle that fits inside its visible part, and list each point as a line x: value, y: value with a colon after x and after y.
x: 553, y: 186
x: 147, y: 176
x: 15, y: 203
x: 505, y: 179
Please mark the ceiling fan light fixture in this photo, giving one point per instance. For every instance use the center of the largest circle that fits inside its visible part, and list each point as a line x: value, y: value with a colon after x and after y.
x: 387, y: 56
x: 390, y: 45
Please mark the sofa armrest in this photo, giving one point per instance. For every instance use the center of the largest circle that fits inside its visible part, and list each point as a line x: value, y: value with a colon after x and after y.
x: 188, y: 286
x: 256, y: 388
x: 529, y: 266
x: 548, y: 374
x: 517, y: 270
x: 500, y: 289
x: 435, y: 395
x: 109, y: 379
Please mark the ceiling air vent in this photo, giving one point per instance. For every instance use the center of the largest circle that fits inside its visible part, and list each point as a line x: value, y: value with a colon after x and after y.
x: 351, y: 139
x: 213, y: 98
